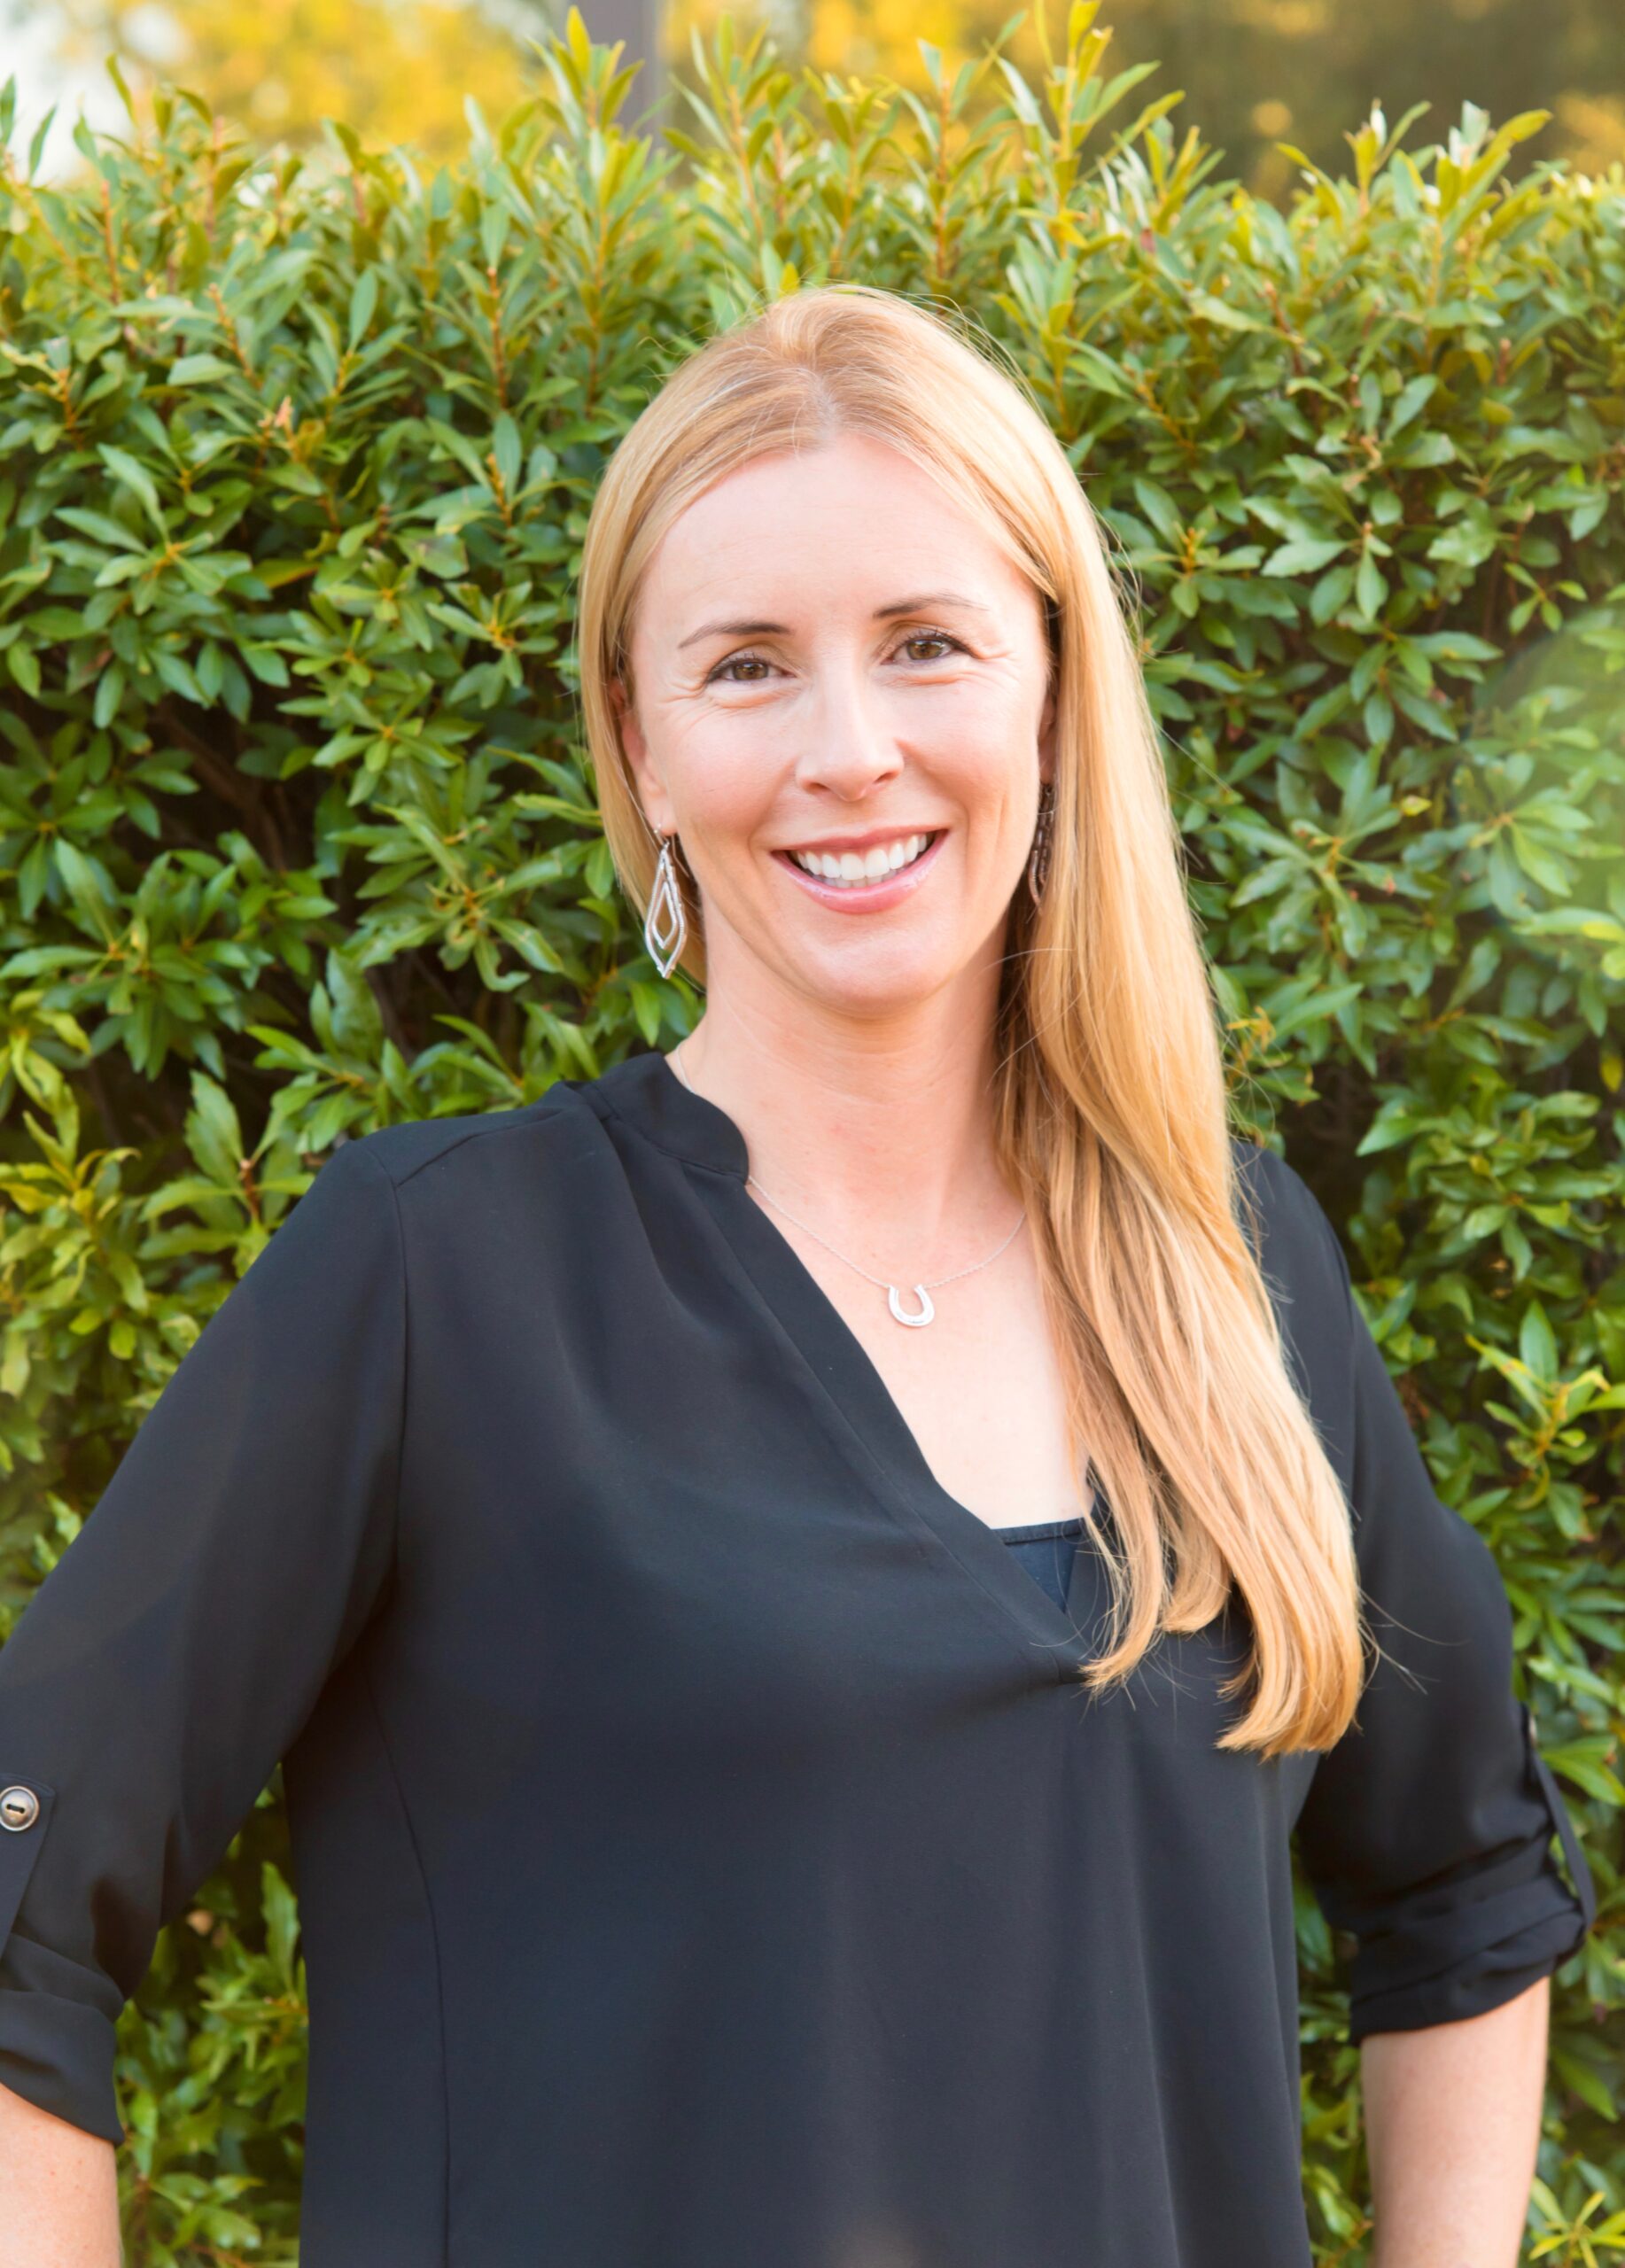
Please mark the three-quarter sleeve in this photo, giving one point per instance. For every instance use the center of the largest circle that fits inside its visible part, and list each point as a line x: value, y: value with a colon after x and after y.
x: 1427, y: 1829
x: 171, y: 1656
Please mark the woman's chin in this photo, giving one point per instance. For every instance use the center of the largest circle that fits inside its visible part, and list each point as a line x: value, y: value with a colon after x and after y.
x: 867, y: 970
x: 869, y: 981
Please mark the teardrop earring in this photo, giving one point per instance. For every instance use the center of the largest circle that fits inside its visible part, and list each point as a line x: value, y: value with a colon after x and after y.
x: 1037, y: 857
x: 665, y: 923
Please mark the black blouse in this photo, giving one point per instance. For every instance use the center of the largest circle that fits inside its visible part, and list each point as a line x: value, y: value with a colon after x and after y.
x: 707, y: 1854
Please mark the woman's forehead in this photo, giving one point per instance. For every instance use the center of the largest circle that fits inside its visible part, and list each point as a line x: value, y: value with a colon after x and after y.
x: 778, y: 538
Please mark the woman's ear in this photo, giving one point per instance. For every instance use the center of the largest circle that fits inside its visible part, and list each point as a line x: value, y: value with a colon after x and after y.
x: 650, y: 791
x: 1047, y: 738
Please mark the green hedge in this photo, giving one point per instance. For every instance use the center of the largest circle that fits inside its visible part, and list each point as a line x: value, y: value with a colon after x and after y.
x: 297, y: 837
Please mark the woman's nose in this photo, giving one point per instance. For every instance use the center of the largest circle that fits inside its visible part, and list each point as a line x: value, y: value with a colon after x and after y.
x: 849, y: 743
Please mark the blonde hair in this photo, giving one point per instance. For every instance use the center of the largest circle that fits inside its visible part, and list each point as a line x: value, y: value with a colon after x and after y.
x: 1111, y: 1104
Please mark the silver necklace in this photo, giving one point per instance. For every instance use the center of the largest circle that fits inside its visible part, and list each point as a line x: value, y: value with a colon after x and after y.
x: 922, y: 1292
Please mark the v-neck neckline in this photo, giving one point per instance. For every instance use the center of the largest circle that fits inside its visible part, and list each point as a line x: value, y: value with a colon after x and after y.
x: 678, y: 1119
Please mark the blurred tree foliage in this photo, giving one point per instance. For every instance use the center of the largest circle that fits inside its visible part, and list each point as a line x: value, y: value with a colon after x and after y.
x: 297, y: 837
x: 1255, y: 72
x: 1259, y: 72
x: 392, y: 70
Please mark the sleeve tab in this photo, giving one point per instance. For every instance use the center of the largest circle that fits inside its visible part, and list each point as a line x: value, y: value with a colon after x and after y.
x: 25, y: 1813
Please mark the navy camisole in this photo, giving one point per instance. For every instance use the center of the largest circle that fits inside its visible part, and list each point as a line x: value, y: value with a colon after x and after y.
x: 1045, y: 1552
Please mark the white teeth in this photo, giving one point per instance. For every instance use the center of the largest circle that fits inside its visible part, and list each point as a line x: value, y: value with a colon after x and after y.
x: 849, y: 869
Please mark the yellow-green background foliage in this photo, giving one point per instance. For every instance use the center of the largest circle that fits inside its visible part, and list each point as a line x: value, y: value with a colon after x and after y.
x: 297, y: 837
x: 1256, y: 72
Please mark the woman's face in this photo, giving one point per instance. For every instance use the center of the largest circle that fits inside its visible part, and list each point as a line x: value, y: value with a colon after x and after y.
x: 831, y: 660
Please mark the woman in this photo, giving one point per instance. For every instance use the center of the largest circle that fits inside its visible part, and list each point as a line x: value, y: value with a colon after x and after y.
x: 718, y: 1846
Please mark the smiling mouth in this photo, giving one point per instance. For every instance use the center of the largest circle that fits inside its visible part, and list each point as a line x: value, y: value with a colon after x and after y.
x: 856, y: 870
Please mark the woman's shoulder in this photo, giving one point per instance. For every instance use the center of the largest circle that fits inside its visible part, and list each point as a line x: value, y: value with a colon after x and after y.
x: 564, y: 1154
x: 472, y: 1141
x: 1306, y: 1274
x: 1295, y: 1237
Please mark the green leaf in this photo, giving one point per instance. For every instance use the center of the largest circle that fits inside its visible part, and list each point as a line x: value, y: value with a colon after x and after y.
x: 1537, y: 1345
x: 507, y: 450
x: 1098, y: 370
x: 132, y: 474
x: 193, y: 369
x: 1160, y: 508
x: 1304, y: 555
x: 1219, y: 311
x: 1412, y: 399
x: 600, y: 870
x: 364, y: 306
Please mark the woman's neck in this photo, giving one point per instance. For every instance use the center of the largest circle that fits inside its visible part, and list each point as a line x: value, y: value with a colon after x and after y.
x: 883, y: 1137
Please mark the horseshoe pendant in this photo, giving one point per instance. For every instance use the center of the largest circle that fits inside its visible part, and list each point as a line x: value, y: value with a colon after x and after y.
x: 915, y: 1322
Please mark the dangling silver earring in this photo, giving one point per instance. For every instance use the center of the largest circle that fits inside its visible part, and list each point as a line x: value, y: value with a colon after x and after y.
x: 665, y: 924
x: 1037, y: 857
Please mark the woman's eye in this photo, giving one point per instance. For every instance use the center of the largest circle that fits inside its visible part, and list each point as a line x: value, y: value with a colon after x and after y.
x: 759, y: 661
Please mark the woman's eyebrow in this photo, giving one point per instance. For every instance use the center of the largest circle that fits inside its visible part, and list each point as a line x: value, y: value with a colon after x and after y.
x: 779, y: 630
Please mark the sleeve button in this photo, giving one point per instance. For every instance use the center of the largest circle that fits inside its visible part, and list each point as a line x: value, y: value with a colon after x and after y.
x: 20, y: 1807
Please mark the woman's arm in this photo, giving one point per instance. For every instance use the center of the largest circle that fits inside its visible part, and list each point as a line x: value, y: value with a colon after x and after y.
x: 61, y: 2190
x: 175, y: 1650
x: 1452, y: 2126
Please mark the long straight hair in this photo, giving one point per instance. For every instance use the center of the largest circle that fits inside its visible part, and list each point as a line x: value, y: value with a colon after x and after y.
x: 1111, y: 1116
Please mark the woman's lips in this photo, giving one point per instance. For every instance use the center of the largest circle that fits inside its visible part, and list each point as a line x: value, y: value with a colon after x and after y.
x: 866, y: 898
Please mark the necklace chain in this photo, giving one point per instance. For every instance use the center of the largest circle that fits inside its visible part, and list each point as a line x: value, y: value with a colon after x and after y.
x: 879, y: 1282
